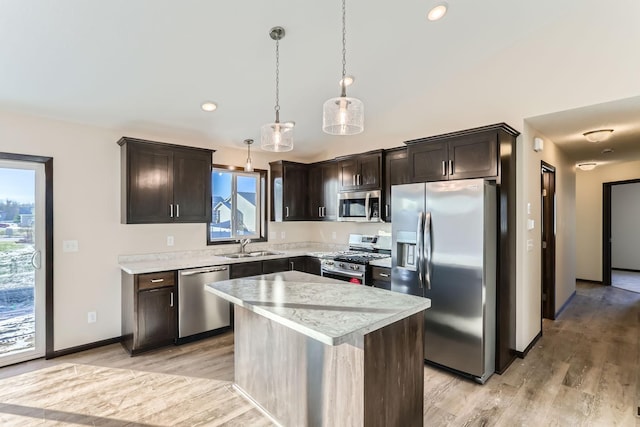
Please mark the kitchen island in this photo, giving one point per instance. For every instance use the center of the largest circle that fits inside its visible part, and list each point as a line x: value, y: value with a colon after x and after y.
x: 313, y: 351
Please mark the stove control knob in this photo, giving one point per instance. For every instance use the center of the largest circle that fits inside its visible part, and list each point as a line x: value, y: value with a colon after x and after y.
x: 341, y: 265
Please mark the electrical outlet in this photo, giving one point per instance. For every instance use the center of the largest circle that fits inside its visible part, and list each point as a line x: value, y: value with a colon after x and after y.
x: 334, y: 235
x: 529, y: 245
x: 69, y: 246
x: 169, y: 240
x: 283, y: 235
x: 92, y: 317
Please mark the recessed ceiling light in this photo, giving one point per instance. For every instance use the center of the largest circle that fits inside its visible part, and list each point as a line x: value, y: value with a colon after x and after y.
x: 438, y: 11
x: 209, y: 106
x: 598, y: 135
x: 587, y: 166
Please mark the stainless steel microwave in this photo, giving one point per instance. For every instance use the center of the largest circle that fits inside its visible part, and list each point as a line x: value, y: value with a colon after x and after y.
x: 360, y: 206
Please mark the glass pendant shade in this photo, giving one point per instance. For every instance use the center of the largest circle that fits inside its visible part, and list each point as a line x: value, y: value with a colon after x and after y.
x: 248, y: 166
x: 343, y: 116
x: 277, y: 137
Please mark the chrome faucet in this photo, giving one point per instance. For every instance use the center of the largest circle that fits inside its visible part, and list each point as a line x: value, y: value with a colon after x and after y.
x: 243, y: 244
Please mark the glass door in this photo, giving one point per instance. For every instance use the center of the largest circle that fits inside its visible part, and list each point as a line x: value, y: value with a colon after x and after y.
x: 22, y: 273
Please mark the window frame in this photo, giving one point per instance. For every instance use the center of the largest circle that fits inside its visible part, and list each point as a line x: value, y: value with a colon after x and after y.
x: 262, y: 206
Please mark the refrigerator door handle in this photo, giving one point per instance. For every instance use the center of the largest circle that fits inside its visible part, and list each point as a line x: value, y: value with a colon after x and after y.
x: 427, y: 249
x: 419, y: 248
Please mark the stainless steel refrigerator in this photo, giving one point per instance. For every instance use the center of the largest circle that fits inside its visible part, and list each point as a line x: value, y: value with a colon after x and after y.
x: 444, y: 249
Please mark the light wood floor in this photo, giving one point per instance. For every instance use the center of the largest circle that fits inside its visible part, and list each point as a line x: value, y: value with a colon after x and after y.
x: 584, y: 371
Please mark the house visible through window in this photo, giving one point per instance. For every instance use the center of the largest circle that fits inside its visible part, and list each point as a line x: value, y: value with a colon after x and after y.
x: 238, y: 206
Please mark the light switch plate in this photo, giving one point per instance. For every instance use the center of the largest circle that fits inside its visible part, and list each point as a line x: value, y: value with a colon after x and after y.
x: 170, y: 241
x: 531, y: 224
x: 69, y: 246
x: 92, y: 317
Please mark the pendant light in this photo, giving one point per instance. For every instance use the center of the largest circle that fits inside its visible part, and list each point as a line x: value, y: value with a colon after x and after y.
x: 248, y: 167
x: 343, y: 115
x: 277, y: 136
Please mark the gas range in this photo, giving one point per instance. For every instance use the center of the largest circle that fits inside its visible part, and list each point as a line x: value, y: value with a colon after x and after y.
x: 351, y: 265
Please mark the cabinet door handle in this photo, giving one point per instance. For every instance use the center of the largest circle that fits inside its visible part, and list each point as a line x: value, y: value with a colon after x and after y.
x: 177, y: 211
x: 324, y: 211
x: 359, y: 179
x: 291, y: 264
x: 384, y: 275
x: 353, y: 179
x: 171, y: 303
x: 386, y: 210
x: 286, y: 211
x: 157, y: 280
x: 171, y: 210
x: 451, y: 167
x: 320, y: 211
x: 444, y: 168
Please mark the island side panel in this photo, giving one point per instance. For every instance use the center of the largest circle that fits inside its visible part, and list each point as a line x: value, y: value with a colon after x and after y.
x: 394, y: 374
x: 296, y: 379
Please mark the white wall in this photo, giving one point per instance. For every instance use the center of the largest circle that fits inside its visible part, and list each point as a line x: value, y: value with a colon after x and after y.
x: 589, y: 220
x: 529, y: 264
x: 625, y: 226
x: 87, y: 209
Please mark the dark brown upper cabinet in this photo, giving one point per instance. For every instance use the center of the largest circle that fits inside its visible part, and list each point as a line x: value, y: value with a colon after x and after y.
x: 323, y: 187
x: 164, y: 183
x: 360, y: 171
x: 289, y: 191
x: 396, y: 171
x: 457, y: 156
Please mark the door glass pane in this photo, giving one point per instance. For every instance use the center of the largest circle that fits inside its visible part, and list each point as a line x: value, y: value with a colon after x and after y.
x: 246, y: 210
x: 17, y: 275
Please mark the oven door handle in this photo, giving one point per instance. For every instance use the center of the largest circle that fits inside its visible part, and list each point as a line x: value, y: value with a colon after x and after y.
x: 345, y: 273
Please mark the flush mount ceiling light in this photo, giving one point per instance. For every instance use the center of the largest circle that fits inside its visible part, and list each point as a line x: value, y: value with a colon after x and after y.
x: 209, y: 106
x: 277, y: 136
x: 438, y: 11
x: 598, y: 135
x: 248, y: 167
x: 343, y: 115
x: 587, y: 166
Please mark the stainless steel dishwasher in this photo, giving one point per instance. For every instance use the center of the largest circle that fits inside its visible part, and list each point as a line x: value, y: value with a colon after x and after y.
x: 198, y: 310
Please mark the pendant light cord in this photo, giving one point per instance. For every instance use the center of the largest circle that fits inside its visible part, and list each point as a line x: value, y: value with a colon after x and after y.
x: 277, y: 107
x: 344, y: 48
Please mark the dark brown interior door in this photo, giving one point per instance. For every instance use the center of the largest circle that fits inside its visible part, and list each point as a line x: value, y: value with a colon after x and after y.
x: 548, y: 227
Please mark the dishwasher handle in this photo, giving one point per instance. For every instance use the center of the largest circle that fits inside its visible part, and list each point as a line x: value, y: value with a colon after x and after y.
x: 204, y: 270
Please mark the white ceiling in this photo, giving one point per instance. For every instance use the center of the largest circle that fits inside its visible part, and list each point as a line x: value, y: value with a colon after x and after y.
x: 147, y: 65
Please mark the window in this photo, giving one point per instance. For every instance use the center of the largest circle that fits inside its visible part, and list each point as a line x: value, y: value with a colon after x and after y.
x: 238, y: 208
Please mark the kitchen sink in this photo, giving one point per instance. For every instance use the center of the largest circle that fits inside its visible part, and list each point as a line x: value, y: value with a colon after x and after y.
x: 251, y: 254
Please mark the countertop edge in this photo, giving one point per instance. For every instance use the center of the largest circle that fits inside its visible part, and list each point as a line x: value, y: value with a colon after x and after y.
x: 323, y: 338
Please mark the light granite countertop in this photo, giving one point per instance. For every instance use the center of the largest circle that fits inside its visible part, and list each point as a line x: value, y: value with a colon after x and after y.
x: 330, y: 311
x: 152, y: 263
x: 384, y: 262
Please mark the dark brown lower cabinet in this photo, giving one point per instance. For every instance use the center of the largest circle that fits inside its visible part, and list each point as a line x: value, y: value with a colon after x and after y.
x: 156, y: 317
x: 149, y: 310
x: 275, y: 265
x: 313, y: 266
x: 298, y: 263
x: 381, y: 277
x: 245, y: 269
